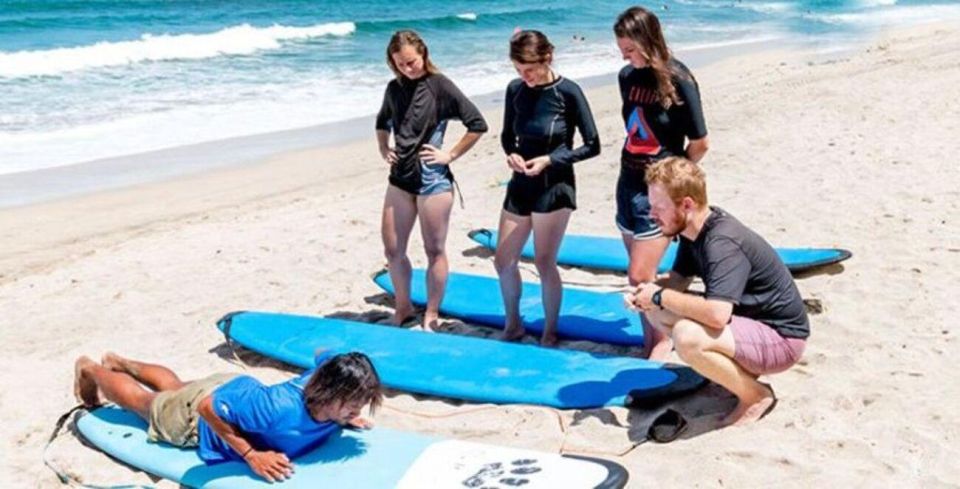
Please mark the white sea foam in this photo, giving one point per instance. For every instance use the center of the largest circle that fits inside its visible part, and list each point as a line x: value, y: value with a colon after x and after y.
x: 762, y: 7
x: 896, y: 15
x: 467, y: 16
x: 876, y: 3
x: 237, y: 40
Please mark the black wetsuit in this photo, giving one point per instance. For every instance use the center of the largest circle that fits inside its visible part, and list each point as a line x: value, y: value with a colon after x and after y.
x: 542, y: 121
x: 415, y: 110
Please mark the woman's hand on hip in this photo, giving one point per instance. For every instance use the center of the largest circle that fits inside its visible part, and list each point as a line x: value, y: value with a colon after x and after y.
x: 388, y: 154
x: 434, y: 155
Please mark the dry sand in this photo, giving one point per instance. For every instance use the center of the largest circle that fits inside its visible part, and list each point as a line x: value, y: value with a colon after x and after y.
x: 856, y: 152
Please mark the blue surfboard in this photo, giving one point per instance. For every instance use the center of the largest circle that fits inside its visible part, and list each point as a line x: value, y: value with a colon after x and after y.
x: 464, y: 367
x: 584, y: 314
x: 377, y: 458
x: 607, y: 253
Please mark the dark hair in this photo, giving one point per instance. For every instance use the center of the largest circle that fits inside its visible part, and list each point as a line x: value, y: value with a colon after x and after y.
x: 347, y: 377
x: 530, y: 47
x: 409, y: 38
x: 643, y: 27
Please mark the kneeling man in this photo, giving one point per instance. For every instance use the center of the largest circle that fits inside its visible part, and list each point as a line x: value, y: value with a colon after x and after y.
x: 749, y: 321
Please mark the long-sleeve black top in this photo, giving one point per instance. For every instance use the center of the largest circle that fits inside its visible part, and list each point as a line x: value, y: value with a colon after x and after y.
x: 542, y: 121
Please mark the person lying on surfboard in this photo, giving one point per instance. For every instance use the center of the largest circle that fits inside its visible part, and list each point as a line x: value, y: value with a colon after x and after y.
x: 750, y: 320
x: 231, y: 417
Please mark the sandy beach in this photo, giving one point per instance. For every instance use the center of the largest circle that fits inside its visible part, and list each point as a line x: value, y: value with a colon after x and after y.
x: 856, y: 152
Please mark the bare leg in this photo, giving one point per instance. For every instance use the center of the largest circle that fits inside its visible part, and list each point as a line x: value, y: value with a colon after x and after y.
x: 710, y: 352
x: 660, y: 322
x: 645, y: 256
x: 513, y: 234
x: 156, y: 377
x: 548, y: 231
x: 399, y: 214
x: 119, y: 388
x: 434, y: 213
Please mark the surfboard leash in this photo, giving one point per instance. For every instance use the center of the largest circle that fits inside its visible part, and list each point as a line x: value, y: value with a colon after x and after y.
x: 227, y: 321
x: 62, y: 475
x: 556, y: 412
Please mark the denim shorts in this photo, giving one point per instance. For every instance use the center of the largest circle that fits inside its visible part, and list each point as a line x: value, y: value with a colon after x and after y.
x: 435, y: 179
x: 633, y: 208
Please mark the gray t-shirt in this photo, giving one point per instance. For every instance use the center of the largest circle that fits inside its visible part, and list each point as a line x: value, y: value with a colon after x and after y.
x: 738, y: 266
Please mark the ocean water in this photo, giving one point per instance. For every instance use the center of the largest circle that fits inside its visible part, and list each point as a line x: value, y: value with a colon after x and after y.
x: 88, y: 79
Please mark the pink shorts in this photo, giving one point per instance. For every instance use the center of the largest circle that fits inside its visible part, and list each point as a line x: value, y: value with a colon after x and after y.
x: 760, y: 349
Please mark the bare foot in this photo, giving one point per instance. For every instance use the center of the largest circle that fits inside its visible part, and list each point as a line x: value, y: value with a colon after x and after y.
x: 114, y: 362
x: 431, y: 322
x: 402, y: 314
x: 84, y: 388
x: 548, y: 339
x: 751, y: 410
x: 512, y: 333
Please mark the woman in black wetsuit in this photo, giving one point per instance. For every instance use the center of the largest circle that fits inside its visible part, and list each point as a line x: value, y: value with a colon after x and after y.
x: 663, y: 117
x: 416, y: 107
x: 542, y: 110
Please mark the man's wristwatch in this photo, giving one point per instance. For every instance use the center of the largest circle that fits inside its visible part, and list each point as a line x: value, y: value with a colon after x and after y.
x: 657, y: 298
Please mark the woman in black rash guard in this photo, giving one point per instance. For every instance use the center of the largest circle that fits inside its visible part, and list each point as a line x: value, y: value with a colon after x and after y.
x: 416, y: 107
x: 542, y: 110
x: 663, y: 117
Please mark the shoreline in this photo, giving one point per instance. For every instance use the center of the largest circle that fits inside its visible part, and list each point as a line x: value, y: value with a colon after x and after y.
x: 26, y: 188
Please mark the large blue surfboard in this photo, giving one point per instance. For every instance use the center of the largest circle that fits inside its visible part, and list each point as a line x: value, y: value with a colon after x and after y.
x: 377, y: 458
x: 584, y: 314
x: 464, y: 367
x: 606, y: 253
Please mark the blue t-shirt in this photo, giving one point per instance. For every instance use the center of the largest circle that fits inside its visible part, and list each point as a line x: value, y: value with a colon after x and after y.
x: 273, y: 417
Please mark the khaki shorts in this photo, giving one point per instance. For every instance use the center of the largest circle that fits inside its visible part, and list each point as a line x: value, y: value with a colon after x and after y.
x: 174, y: 415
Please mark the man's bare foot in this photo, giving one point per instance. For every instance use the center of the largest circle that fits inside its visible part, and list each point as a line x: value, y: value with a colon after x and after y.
x: 512, y: 333
x: 84, y: 388
x: 114, y: 362
x: 402, y: 314
x: 751, y: 410
x: 548, y: 339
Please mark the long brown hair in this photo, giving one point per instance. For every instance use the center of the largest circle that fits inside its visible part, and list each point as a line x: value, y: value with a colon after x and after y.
x: 409, y: 38
x: 643, y: 27
x: 530, y: 47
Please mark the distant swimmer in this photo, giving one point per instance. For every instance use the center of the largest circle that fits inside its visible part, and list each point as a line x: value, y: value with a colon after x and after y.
x: 417, y: 105
x: 663, y: 117
x: 542, y: 113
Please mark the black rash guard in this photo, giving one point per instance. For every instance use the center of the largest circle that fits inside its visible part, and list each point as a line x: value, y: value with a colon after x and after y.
x: 413, y: 110
x: 541, y: 121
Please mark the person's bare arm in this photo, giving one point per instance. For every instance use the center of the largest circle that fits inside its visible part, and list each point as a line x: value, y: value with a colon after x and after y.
x: 696, y: 148
x: 272, y: 466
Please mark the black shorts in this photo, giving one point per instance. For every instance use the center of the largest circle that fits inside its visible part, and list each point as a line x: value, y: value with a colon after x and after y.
x: 539, y: 194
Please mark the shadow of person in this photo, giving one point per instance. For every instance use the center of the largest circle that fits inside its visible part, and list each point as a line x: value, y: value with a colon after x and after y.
x: 478, y: 252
